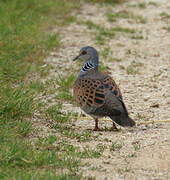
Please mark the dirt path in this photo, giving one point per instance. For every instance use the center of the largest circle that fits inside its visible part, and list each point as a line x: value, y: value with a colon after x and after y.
x: 143, y: 72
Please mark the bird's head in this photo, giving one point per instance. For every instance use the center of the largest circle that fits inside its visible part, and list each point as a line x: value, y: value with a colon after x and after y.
x: 88, y: 53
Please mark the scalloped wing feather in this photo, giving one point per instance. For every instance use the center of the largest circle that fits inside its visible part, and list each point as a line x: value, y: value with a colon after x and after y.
x: 91, y: 92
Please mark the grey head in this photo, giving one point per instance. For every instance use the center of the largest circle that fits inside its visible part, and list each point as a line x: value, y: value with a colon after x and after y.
x: 90, y: 57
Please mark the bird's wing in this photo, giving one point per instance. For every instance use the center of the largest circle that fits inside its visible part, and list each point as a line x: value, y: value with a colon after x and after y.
x: 89, y: 92
x: 109, y: 83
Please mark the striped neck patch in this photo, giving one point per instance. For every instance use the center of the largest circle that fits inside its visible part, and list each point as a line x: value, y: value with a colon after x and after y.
x: 87, y: 67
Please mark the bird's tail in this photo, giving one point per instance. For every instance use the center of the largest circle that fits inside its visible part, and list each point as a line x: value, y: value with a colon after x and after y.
x: 123, y: 120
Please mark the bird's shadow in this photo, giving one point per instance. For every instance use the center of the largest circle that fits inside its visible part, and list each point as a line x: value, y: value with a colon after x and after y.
x: 106, y: 129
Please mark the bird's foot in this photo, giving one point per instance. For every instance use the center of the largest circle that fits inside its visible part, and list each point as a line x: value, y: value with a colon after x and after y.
x: 96, y: 129
x: 114, y: 128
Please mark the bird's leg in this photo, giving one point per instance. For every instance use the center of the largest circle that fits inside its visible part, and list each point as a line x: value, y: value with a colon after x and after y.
x: 114, y: 128
x: 96, y: 125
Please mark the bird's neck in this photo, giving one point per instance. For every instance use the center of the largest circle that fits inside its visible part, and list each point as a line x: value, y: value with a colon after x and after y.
x: 88, y: 66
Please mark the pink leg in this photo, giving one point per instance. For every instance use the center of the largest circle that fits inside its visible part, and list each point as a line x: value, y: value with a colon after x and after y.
x: 113, y: 128
x: 96, y: 125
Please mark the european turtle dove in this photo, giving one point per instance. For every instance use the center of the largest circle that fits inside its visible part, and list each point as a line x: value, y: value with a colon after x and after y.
x: 97, y: 93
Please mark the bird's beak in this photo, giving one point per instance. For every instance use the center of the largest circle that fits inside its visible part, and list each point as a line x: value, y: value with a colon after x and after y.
x: 77, y: 57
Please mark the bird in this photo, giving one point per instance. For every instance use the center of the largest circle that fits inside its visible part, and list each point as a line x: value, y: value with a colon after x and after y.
x: 97, y: 94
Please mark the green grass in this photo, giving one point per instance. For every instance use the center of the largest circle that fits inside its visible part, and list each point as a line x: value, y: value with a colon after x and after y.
x: 114, y: 59
x: 137, y: 36
x: 24, y: 42
x: 105, y: 52
x: 116, y: 146
x: 109, y: 2
x: 136, y: 146
x: 142, y: 5
x: 153, y: 4
x: 20, y: 158
x: 134, y: 68
x: 103, y: 34
x: 113, y: 17
x: 165, y: 15
x: 167, y: 28
x: 65, y: 83
x: 123, y: 30
x: 54, y: 112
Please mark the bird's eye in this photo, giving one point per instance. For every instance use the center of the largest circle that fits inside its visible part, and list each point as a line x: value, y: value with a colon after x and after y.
x: 84, y: 52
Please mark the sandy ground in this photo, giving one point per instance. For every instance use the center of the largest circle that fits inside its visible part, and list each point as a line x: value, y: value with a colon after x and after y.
x: 143, y: 152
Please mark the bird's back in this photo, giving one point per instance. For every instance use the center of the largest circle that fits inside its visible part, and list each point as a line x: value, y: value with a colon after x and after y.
x: 93, y: 90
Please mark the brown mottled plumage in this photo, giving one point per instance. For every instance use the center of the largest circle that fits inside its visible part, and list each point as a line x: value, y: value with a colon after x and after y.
x: 90, y: 91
